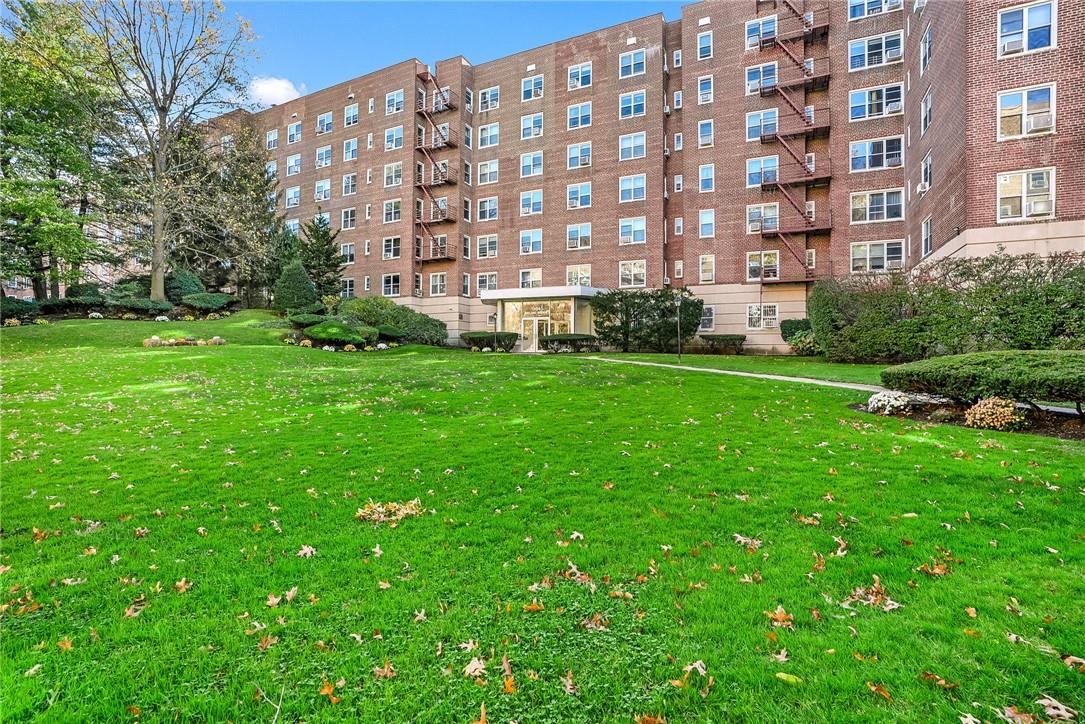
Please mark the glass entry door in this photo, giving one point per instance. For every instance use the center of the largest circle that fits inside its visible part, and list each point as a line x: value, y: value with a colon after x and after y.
x: 531, y: 329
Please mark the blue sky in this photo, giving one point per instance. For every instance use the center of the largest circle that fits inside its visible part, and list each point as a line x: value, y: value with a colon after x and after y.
x: 306, y: 46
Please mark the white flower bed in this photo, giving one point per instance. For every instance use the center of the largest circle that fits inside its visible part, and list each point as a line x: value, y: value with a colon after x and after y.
x: 889, y: 402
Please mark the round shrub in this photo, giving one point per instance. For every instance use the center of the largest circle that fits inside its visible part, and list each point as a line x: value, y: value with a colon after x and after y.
x: 84, y: 289
x: 12, y: 308
x: 889, y: 402
x: 377, y: 311
x: 180, y: 283
x: 802, y: 343
x: 790, y: 327
x: 294, y: 289
x: 337, y: 332
x: 208, y: 301
x: 994, y: 413
x: 390, y: 332
x: 1022, y: 375
x: 306, y: 320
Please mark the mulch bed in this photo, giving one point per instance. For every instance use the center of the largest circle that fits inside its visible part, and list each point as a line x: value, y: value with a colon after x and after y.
x: 1049, y: 424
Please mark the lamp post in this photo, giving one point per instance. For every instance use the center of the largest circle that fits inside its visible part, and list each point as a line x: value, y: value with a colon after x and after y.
x: 678, y: 315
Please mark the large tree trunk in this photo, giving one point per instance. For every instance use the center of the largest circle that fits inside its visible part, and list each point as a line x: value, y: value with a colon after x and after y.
x: 37, y: 279
x: 158, y: 214
x: 54, y: 277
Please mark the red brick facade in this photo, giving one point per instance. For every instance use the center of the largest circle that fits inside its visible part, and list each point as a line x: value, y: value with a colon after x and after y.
x: 816, y: 73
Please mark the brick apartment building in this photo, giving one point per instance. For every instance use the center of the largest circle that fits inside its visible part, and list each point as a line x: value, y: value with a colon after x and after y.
x: 743, y: 151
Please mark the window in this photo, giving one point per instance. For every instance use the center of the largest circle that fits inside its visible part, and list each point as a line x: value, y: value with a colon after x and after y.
x: 579, y: 115
x: 875, y: 51
x: 531, y: 126
x: 350, y: 184
x: 1026, y: 195
x: 678, y: 142
x: 418, y: 277
x: 631, y: 188
x: 707, y: 268
x: 346, y: 252
x: 488, y: 135
x: 487, y: 209
x: 579, y: 76
x: 1026, y: 112
x: 393, y: 138
x: 392, y: 211
x: 579, y: 155
x: 578, y: 236
x: 706, y: 223
x: 324, y: 156
x: 467, y: 168
x: 487, y: 172
x: 762, y: 316
x: 348, y: 220
x: 870, y: 256
x: 705, y: 91
x: 705, y: 133
x: 631, y: 105
x: 758, y: 29
x: 760, y: 76
x: 761, y: 170
x: 632, y: 231
x: 926, y: 172
x: 708, y: 319
x: 1026, y: 28
x: 293, y: 226
x: 679, y: 226
x: 322, y: 190
x: 578, y: 275
x: 466, y: 210
x: 390, y: 285
x: 877, y: 154
x: 293, y: 132
x: 393, y: 102
x: 365, y: 283
x: 394, y: 174
x: 677, y: 100
x: 465, y: 285
x: 271, y: 169
x: 875, y: 206
x: 531, y: 202
x: 678, y: 183
x: 293, y: 197
x: 468, y: 136
x: 350, y: 115
x: 531, y: 88
x: 632, y: 146
x: 876, y: 102
x: 631, y: 63
x: 324, y: 122
x: 531, y: 164
x: 704, y: 45
x: 293, y: 164
x: 632, y: 273
x: 372, y: 105
x: 678, y: 58
x: 438, y: 284
x: 926, y: 45
x: 350, y: 149
x: 369, y: 141
x: 531, y: 241
x: 811, y: 258
x: 391, y: 248
x: 928, y: 236
x: 925, y: 109
x: 865, y: 8
x: 486, y: 246
x: 760, y: 123
x: 762, y: 265
x: 762, y: 217
x: 271, y: 139
x: 324, y: 218
x: 706, y: 174
x: 530, y: 278
x: 489, y: 99
x: 578, y: 195
x: 486, y: 281
x: 368, y: 245
x: 346, y: 288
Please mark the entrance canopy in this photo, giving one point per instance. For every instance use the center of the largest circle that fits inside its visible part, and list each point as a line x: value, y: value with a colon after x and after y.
x: 539, y: 311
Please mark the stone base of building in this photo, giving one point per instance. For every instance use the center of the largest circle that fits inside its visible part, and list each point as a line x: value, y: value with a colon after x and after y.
x: 1045, y: 239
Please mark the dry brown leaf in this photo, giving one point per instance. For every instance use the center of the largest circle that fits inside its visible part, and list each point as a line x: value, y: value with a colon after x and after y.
x: 879, y: 690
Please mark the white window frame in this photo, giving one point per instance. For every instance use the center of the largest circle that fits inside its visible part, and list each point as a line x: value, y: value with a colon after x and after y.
x: 884, y: 38
x: 887, y: 6
x: 578, y: 275
x: 489, y: 99
x: 634, y: 224
x: 632, y: 265
x: 438, y: 284
x: 578, y: 188
x: 528, y: 123
x: 927, y: 236
x: 885, y: 104
x: 531, y: 155
x: 489, y: 170
x: 579, y: 69
x: 579, y: 147
x: 762, y: 265
x: 577, y: 231
x: 529, y: 81
x: 271, y: 139
x: 1024, y: 115
x: 1024, y: 8
x: 772, y: 319
x: 706, y: 224
x: 530, y: 196
x: 705, y: 97
x: 486, y: 202
x: 706, y: 262
x: 632, y: 55
x: 633, y: 187
x: 1023, y: 196
x: 391, y: 247
x: 885, y: 154
x: 711, y: 45
x: 577, y: 110
x: 530, y: 235
x: 484, y: 244
x: 708, y: 318
x: 390, y: 285
x: 632, y: 97
x: 885, y: 255
x: 628, y: 142
x: 869, y: 194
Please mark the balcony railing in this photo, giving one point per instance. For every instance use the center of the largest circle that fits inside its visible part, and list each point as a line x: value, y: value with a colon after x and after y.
x: 438, y: 176
x: 437, y: 139
x: 437, y: 101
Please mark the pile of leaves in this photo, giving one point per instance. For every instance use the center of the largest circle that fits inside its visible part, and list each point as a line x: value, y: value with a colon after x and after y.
x: 390, y: 513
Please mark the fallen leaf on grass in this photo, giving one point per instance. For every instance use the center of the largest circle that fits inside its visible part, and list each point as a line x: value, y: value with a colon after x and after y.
x: 649, y: 719
x: 1014, y: 716
x: 567, y: 683
x: 788, y: 678
x: 939, y: 681
x: 65, y: 644
x: 475, y: 668
x: 306, y: 551
x: 328, y: 690
x: 1056, y: 710
x: 781, y: 618
x: 971, y: 612
x: 509, y: 687
x: 482, y: 715
x: 879, y: 690
x: 182, y: 585
x: 384, y: 672
x: 534, y: 606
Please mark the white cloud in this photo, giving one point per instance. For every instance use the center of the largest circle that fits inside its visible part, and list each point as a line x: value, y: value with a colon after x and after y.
x: 272, y: 91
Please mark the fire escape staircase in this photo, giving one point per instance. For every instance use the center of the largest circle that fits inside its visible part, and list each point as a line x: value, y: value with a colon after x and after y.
x: 434, y: 102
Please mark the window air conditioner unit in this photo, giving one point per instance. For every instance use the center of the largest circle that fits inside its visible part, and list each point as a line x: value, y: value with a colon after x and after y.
x: 626, y: 239
x: 892, y: 159
x: 667, y: 110
x: 894, y: 264
x: 1038, y: 123
x: 894, y: 107
x: 574, y: 203
x: 894, y: 54
x: 752, y: 86
x: 536, y: 92
x: 922, y: 187
x: 666, y: 281
x: 1005, y: 211
x: 755, y: 226
x: 1038, y: 208
x: 1013, y: 46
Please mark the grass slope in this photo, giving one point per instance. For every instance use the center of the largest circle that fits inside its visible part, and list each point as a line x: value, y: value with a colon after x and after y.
x: 788, y: 365
x: 233, y: 459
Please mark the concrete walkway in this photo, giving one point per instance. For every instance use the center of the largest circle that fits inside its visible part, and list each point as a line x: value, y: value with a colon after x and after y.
x: 783, y: 378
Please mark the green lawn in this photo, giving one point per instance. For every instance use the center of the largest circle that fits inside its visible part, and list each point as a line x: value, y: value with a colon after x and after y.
x: 787, y: 365
x: 128, y: 470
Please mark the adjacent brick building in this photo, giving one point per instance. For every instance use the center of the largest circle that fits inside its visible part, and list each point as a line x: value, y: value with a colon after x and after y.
x: 743, y: 151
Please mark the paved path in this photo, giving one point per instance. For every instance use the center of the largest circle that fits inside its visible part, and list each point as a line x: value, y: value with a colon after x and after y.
x: 784, y: 378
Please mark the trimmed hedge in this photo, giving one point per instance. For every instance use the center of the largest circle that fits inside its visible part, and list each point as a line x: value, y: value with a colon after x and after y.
x: 494, y: 340
x: 12, y: 308
x: 139, y: 304
x: 376, y: 311
x: 84, y: 289
x: 306, y: 320
x: 576, y: 342
x: 71, y: 305
x: 209, y: 301
x: 725, y: 342
x: 336, y: 332
x: 790, y: 327
x: 390, y: 332
x: 1022, y: 375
